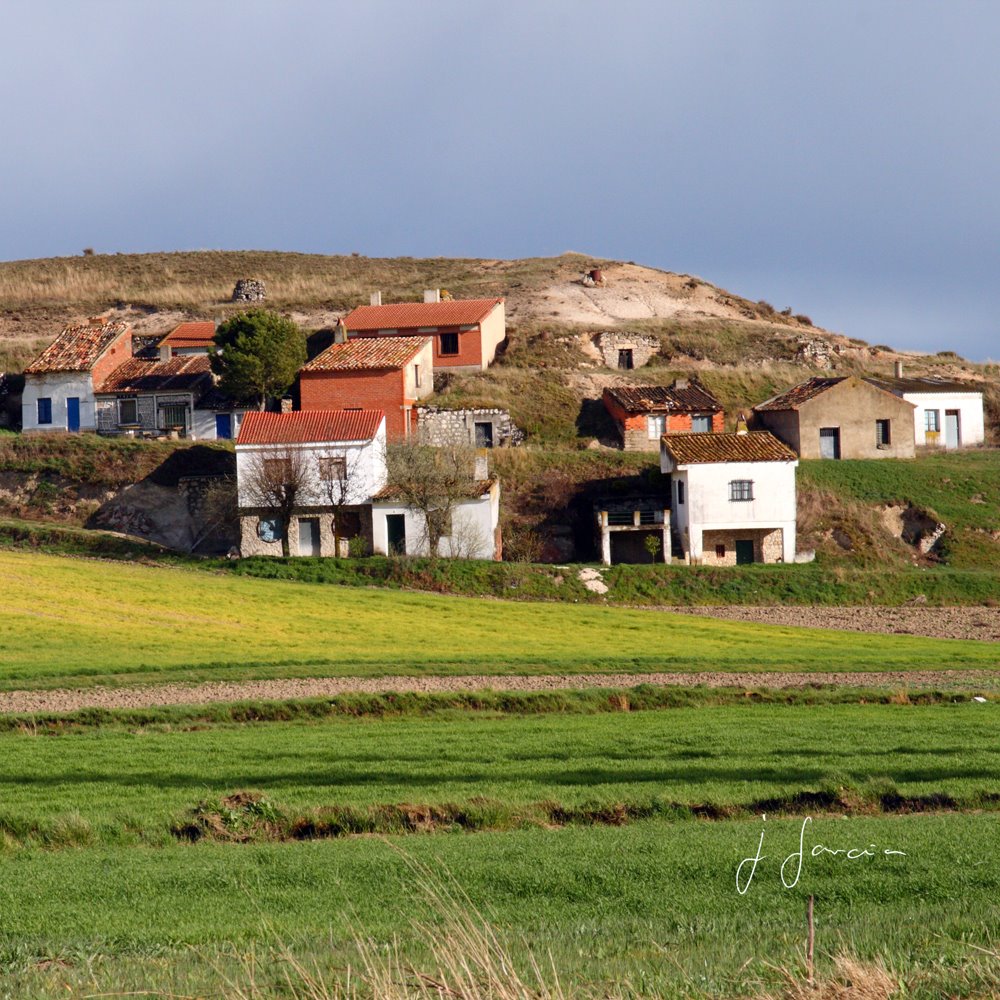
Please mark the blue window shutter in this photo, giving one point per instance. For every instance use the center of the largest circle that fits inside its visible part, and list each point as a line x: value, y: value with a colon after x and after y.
x: 45, y: 410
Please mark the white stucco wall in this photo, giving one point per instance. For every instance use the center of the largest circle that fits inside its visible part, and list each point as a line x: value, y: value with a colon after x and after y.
x: 425, y: 360
x: 58, y: 386
x: 968, y: 404
x: 473, y: 524
x: 707, y: 506
x: 366, y: 473
x: 203, y: 428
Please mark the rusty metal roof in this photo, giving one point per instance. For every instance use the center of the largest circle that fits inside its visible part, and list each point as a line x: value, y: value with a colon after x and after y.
x: 184, y: 373
x: 792, y: 398
x: 77, y: 348
x: 309, y: 427
x: 406, y: 315
x: 700, y: 449
x: 197, y: 334
x: 917, y: 386
x: 645, y: 398
x: 367, y: 353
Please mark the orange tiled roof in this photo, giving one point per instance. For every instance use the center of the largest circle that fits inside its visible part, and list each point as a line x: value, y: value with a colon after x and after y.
x: 180, y: 374
x: 309, y: 427
x: 77, y: 348
x: 191, y: 335
x: 367, y: 353
x: 700, y: 449
x: 406, y: 315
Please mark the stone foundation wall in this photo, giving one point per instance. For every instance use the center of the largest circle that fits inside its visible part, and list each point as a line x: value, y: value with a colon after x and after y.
x: 641, y: 346
x: 251, y: 544
x: 766, y: 546
x: 443, y: 427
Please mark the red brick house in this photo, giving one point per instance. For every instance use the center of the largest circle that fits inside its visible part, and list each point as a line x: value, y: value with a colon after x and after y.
x: 466, y: 332
x: 375, y: 373
x: 642, y: 414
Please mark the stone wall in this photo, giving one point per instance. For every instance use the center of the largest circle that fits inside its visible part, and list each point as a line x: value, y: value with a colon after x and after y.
x: 766, y: 546
x: 641, y: 346
x: 249, y: 290
x: 442, y: 427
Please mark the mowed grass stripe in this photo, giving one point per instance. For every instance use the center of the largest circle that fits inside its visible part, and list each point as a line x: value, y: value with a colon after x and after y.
x: 65, y: 618
x: 116, y: 785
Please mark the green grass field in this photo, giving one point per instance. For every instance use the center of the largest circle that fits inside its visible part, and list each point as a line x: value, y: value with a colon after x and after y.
x: 72, y: 621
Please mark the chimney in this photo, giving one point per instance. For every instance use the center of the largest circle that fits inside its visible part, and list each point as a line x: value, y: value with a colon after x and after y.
x: 165, y: 352
x: 482, y: 469
x: 898, y: 368
x: 340, y: 331
x: 741, y: 424
x: 376, y: 299
x: 432, y: 295
x: 680, y: 383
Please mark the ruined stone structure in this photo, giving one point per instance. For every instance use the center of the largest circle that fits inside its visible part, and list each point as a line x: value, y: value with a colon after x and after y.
x: 249, y: 290
x: 625, y: 350
x: 485, y: 428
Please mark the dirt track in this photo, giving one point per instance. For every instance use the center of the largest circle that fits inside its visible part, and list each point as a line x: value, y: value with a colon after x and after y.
x: 68, y: 700
x: 942, y: 623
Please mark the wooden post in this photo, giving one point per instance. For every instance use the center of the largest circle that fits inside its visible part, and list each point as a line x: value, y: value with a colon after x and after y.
x: 810, y: 939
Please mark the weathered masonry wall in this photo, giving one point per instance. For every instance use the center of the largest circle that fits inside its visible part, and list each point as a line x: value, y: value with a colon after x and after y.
x: 641, y: 346
x: 443, y: 427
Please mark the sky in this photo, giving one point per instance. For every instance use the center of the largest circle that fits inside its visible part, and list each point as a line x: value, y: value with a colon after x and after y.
x: 840, y: 158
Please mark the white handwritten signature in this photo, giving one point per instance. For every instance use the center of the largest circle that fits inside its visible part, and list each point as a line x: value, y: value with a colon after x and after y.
x: 851, y: 854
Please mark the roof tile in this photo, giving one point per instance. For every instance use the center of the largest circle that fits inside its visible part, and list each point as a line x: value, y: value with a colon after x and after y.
x: 367, y: 353
x: 77, y: 348
x: 700, y: 449
x: 197, y: 334
x: 798, y: 394
x: 644, y: 398
x: 180, y: 374
x: 406, y: 315
x: 309, y: 427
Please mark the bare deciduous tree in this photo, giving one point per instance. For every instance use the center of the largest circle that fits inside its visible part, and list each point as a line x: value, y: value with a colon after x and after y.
x: 430, y: 481
x: 341, y: 485
x: 278, y: 480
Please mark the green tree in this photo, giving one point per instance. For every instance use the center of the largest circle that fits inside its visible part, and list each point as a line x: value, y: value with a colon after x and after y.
x: 259, y: 353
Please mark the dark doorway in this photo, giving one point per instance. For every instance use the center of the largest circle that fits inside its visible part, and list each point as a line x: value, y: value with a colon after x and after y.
x: 484, y: 434
x: 395, y: 531
x: 625, y: 358
x: 744, y: 551
x: 829, y: 442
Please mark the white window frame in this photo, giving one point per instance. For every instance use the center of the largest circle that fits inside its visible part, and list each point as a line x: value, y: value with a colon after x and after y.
x: 656, y: 425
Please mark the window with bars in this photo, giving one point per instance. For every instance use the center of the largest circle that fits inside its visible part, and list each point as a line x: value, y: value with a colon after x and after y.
x: 174, y: 415
x: 740, y: 490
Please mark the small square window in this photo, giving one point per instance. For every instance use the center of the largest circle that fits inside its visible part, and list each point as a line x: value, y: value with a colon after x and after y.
x: 701, y: 423
x: 448, y: 344
x: 333, y: 469
x: 278, y: 471
x: 740, y: 490
x: 45, y: 410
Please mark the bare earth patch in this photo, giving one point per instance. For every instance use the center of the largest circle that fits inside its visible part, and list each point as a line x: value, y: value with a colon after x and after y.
x: 70, y: 700
x: 915, y: 619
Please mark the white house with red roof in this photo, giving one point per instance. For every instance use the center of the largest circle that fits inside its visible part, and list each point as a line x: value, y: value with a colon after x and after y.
x: 732, y: 497
x: 59, y: 384
x: 333, y: 459
x: 466, y: 332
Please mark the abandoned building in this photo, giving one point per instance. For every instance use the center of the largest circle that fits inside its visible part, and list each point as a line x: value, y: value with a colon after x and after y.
x: 642, y: 414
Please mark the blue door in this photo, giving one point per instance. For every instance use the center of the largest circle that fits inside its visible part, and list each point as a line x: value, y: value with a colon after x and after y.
x: 73, y: 413
x: 223, y: 426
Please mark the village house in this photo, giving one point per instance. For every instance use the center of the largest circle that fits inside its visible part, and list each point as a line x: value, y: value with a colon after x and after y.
x: 59, y: 384
x: 732, y: 497
x: 178, y: 397
x: 337, y: 461
x: 946, y: 413
x: 188, y: 338
x: 385, y: 373
x: 466, y: 332
x: 633, y: 529
x: 842, y: 417
x: 472, y: 532
x: 642, y: 414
